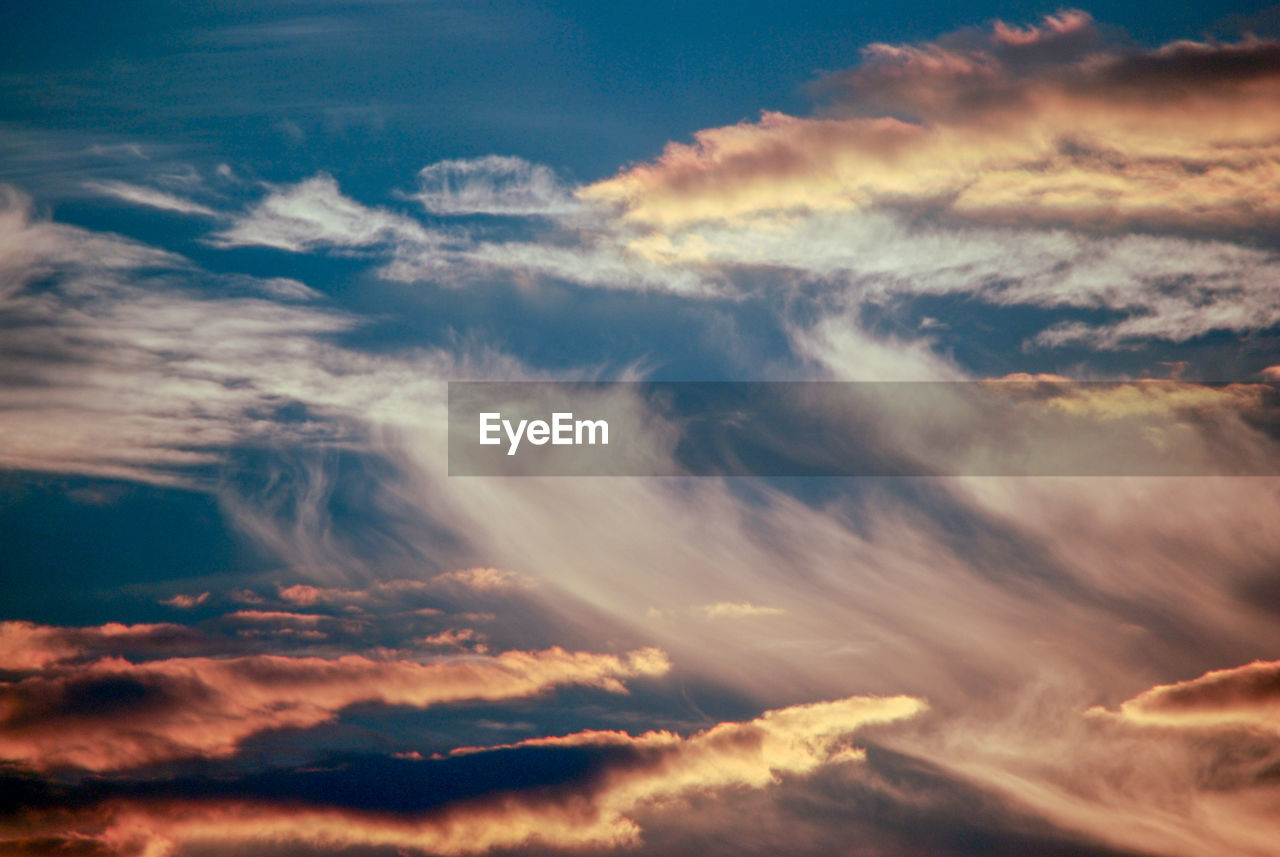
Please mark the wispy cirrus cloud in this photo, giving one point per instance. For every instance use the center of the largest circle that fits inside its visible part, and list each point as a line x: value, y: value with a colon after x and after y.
x: 150, y: 197
x: 315, y: 215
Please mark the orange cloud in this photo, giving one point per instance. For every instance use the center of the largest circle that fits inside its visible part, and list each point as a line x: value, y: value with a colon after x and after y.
x: 112, y: 714
x: 661, y: 766
x: 1247, y: 696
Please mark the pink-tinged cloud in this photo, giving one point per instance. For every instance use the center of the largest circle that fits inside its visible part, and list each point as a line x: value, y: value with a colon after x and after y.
x: 1018, y: 126
x: 184, y: 601
x: 274, y: 617
x: 303, y: 594
x: 112, y: 714
x: 1066, y: 23
x: 658, y: 768
x: 26, y: 646
x: 1246, y: 696
x: 455, y: 638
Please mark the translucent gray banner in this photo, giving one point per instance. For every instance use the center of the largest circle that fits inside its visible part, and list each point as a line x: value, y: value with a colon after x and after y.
x: 1035, y: 427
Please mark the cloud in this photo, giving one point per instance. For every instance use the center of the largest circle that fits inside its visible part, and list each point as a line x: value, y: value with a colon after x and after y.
x: 493, y: 185
x: 456, y: 638
x: 1049, y: 166
x: 483, y: 579
x: 26, y: 646
x: 738, y: 610
x: 176, y: 365
x: 1011, y: 128
x: 654, y: 769
x: 31, y: 248
x: 185, y: 601
x: 1242, y: 697
x: 111, y: 714
x: 314, y: 214
x: 150, y: 197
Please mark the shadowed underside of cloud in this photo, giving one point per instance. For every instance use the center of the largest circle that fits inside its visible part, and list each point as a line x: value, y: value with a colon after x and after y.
x: 633, y: 772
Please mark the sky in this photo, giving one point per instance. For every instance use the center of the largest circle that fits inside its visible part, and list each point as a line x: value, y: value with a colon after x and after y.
x: 246, y: 610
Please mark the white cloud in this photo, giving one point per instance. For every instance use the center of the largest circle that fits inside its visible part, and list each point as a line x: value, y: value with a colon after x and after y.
x: 493, y: 185
x: 150, y: 197
x: 314, y: 214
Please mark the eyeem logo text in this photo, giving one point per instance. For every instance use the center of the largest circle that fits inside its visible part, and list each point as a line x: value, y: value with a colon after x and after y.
x: 563, y: 430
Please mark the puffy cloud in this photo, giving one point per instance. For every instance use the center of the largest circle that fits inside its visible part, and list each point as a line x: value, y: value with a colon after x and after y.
x: 111, y: 714
x: 1011, y: 128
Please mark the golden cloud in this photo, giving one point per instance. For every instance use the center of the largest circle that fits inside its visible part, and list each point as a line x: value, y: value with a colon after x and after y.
x: 1039, y: 125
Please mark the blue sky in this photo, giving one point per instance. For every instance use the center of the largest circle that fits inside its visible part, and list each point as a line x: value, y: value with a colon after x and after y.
x: 244, y: 247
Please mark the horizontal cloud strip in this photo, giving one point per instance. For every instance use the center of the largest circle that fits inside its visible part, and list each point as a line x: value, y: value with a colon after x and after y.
x: 634, y: 772
x: 111, y: 714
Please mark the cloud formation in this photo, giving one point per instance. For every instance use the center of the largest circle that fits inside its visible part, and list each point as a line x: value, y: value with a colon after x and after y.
x: 111, y: 714
x: 315, y: 214
x: 1246, y: 697
x: 150, y: 197
x: 493, y: 185
x: 653, y: 768
x: 1043, y: 124
x: 27, y: 646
